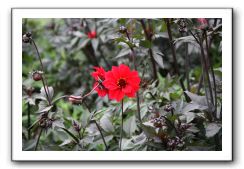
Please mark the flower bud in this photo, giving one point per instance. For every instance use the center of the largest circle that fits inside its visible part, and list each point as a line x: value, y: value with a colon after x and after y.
x: 37, y: 75
x: 76, y: 126
x: 168, y: 107
x: 26, y: 38
x: 182, y: 25
x: 122, y: 29
x: 75, y: 99
x: 203, y: 24
x: 92, y: 34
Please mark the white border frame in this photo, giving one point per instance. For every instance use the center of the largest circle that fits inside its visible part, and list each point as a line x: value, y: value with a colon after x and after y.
x: 19, y: 155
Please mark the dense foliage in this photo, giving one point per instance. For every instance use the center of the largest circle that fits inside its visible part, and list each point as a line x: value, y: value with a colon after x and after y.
x: 122, y: 84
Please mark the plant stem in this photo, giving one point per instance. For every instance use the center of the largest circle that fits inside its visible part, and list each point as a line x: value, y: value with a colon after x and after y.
x: 99, y: 129
x: 38, y: 138
x: 90, y: 91
x: 44, y: 81
x: 187, y: 64
x: 207, y: 72
x: 212, y: 72
x: 29, y: 121
x: 79, y: 135
x: 46, y: 91
x: 149, y: 38
x: 61, y: 97
x: 121, y: 127
x: 174, y: 58
x: 137, y: 93
x: 200, y: 84
x: 205, y: 75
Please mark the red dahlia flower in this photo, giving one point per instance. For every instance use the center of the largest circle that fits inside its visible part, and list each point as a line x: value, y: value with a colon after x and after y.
x: 203, y: 23
x: 92, y: 34
x: 121, y: 81
x: 99, y: 76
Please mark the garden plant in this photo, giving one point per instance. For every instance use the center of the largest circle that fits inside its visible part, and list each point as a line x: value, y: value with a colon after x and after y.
x: 122, y: 84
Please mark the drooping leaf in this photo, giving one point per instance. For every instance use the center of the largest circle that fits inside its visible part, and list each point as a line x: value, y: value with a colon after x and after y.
x: 43, y: 107
x: 83, y: 43
x: 130, y: 125
x: 106, y: 123
x: 72, y: 135
x: 65, y: 142
x: 158, y: 57
x: 49, y: 91
x: 189, y: 116
x: 58, y: 123
x: 85, y: 117
x: 193, y: 106
x: 95, y: 43
x: 149, y: 129
x: 123, y: 52
x: 212, y: 129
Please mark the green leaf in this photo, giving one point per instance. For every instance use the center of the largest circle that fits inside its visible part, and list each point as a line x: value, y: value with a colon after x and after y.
x: 95, y: 43
x: 149, y: 129
x: 190, y: 116
x: 85, y: 117
x: 58, y: 123
x: 106, y: 123
x: 29, y: 145
x: 43, y: 107
x: 49, y: 90
x: 72, y: 135
x: 146, y: 43
x: 65, y: 142
x: 124, y: 40
x: 193, y: 106
x: 74, y: 41
x: 193, y: 129
x: 189, y: 39
x: 123, y: 52
x: 199, y: 100
x: 212, y: 129
x: 158, y: 57
x: 83, y: 43
x: 130, y: 125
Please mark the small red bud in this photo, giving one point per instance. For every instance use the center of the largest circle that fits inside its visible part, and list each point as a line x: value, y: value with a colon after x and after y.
x: 75, y: 99
x: 37, y: 75
x: 92, y: 34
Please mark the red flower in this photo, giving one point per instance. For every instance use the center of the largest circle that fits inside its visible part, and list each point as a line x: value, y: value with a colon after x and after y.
x: 203, y: 23
x: 92, y: 34
x: 99, y: 76
x: 121, y: 81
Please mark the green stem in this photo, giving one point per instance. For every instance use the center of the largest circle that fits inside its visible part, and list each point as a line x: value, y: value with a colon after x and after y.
x: 174, y: 58
x: 212, y: 72
x: 29, y: 120
x: 38, y: 139
x: 121, y: 127
x: 149, y: 38
x: 205, y: 77
x: 44, y: 81
x: 99, y: 129
x: 187, y: 64
x: 137, y: 93
x: 61, y: 97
